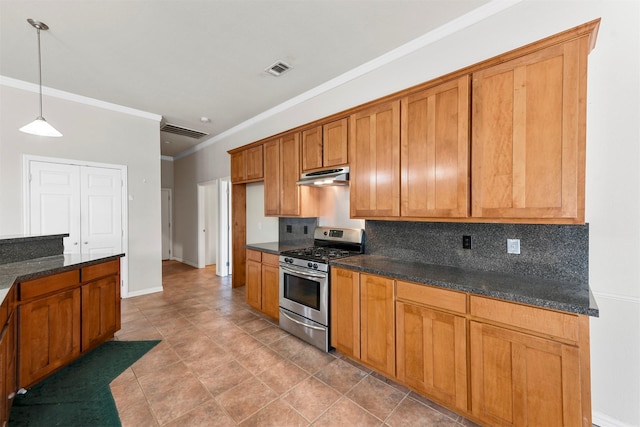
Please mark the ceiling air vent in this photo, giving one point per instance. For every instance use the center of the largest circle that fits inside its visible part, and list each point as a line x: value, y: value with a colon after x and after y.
x: 179, y: 130
x: 278, y: 68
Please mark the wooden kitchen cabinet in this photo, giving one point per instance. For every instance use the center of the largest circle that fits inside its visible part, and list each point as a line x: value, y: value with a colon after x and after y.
x: 362, y: 318
x: 345, y: 312
x: 8, y: 356
x: 374, y: 145
x: 247, y: 165
x: 528, y: 136
x: 262, y: 282
x: 49, y: 335
x: 100, y: 303
x: 283, y: 197
x: 522, y: 376
x: 431, y: 343
x: 434, y: 155
x: 377, y: 323
x: 325, y: 145
x: 63, y: 315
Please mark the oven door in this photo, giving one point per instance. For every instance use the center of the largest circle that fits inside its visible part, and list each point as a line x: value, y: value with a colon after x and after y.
x: 305, y: 292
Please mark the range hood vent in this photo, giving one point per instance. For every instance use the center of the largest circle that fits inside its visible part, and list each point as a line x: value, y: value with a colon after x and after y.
x: 179, y: 130
x: 326, y: 178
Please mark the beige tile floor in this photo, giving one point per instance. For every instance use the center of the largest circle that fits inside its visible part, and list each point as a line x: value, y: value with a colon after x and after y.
x: 220, y: 363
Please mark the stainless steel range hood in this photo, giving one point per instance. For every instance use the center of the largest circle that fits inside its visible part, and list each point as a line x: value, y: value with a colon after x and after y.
x: 327, y: 177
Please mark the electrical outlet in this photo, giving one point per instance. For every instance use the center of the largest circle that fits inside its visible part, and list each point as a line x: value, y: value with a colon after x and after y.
x: 513, y: 246
x: 289, y: 230
x: 306, y: 231
x: 466, y: 242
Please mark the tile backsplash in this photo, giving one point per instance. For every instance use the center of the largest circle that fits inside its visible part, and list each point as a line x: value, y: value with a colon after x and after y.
x: 555, y: 252
x: 293, y: 230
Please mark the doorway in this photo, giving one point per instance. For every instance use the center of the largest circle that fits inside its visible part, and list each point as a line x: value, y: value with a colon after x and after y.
x: 214, y: 225
x: 167, y: 220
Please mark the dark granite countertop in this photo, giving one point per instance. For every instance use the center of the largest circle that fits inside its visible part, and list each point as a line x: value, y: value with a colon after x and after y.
x: 24, y: 237
x: 276, y: 247
x: 40, y: 267
x: 563, y: 296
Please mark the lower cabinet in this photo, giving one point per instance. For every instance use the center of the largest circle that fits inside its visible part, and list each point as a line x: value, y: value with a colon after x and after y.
x: 496, y: 362
x: 63, y: 315
x: 362, y: 318
x: 100, y: 303
x: 262, y: 282
x: 8, y: 356
x: 49, y: 335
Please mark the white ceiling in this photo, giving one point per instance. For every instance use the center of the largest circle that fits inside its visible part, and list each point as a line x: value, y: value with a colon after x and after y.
x: 188, y: 59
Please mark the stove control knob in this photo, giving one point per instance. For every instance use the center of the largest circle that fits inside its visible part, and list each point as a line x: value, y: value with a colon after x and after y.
x: 288, y: 260
x: 315, y: 266
x: 310, y: 264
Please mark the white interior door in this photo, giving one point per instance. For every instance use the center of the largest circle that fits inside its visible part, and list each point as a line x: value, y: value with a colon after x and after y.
x: 54, y: 200
x: 223, y: 267
x: 165, y: 203
x: 101, y: 210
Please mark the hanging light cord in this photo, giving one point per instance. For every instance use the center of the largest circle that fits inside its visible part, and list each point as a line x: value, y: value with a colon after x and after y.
x: 39, y: 69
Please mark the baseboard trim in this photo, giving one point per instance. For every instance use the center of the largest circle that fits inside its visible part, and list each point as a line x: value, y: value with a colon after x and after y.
x: 144, y: 292
x: 602, y: 420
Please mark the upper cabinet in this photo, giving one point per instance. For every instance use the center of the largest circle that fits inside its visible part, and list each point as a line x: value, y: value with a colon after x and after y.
x: 528, y: 136
x: 434, y: 155
x: 325, y: 146
x: 247, y: 165
x: 375, y: 161
x: 282, y: 196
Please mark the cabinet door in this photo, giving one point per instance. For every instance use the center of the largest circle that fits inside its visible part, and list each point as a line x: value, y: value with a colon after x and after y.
x: 377, y: 323
x: 335, y: 143
x: 432, y: 353
x: 270, y: 290
x: 345, y: 312
x: 375, y: 161
x: 290, y: 174
x: 528, y: 137
x: 100, y: 311
x: 435, y: 151
x: 312, y: 149
x: 253, y: 287
x: 272, y: 177
x: 49, y: 335
x: 520, y: 380
x: 237, y: 167
x: 254, y: 163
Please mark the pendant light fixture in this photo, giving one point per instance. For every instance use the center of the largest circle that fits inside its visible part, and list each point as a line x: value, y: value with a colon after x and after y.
x: 40, y: 126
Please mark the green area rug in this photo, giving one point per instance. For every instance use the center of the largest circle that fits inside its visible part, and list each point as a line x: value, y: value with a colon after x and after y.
x: 79, y: 394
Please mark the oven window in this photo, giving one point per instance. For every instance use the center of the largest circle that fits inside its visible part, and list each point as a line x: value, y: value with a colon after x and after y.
x: 302, y: 291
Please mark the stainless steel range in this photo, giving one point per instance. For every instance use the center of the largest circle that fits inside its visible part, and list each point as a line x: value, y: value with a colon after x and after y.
x: 304, y: 282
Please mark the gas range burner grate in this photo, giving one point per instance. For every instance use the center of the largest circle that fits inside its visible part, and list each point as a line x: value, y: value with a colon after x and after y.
x: 319, y: 253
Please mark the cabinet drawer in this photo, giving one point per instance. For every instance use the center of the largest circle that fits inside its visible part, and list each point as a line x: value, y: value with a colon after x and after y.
x: 429, y: 295
x: 535, y: 319
x: 100, y: 270
x: 270, y: 259
x: 48, y: 284
x: 254, y: 255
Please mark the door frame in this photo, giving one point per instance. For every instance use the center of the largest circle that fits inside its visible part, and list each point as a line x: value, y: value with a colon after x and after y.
x: 26, y: 206
x: 224, y: 221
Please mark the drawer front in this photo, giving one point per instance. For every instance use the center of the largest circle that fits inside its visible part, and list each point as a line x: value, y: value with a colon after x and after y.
x: 432, y: 296
x: 104, y: 269
x: 539, y: 320
x: 270, y: 259
x: 254, y: 255
x: 48, y: 284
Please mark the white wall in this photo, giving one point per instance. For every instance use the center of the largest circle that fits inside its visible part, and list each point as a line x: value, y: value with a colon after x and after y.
x: 90, y: 134
x: 613, y: 160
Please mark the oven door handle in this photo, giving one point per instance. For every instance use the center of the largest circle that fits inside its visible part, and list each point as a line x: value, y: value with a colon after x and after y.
x: 303, y: 272
x: 306, y: 325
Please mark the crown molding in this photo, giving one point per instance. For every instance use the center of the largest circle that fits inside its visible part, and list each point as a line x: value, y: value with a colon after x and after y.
x: 67, y: 96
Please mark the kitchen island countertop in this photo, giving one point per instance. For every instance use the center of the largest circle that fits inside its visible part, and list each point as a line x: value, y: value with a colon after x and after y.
x: 556, y: 295
x: 39, y: 267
